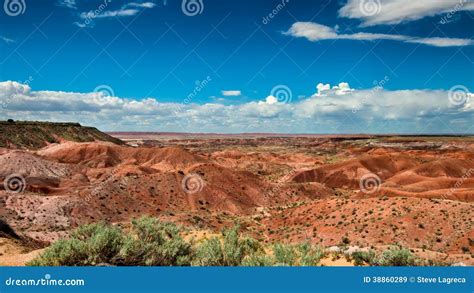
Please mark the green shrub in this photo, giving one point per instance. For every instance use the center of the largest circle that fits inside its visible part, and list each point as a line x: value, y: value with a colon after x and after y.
x: 304, y: 254
x: 150, y: 242
x: 154, y: 243
x: 63, y: 253
x: 363, y: 257
x: 310, y: 255
x: 258, y: 260
x: 209, y: 253
x: 396, y: 256
x: 89, y: 245
x: 102, y: 242
x: 285, y: 254
x: 230, y: 251
x: 235, y: 250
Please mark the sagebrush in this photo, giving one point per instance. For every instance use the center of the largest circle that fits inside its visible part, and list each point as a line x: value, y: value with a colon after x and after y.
x: 151, y: 242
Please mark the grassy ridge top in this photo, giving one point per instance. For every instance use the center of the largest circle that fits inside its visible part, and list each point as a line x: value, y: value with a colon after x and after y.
x: 35, y: 135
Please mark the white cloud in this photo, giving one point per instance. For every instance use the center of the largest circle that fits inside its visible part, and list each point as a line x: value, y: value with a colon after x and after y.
x: 7, y: 40
x: 232, y: 93
x: 316, y: 32
x: 336, y: 109
x: 322, y: 87
x: 80, y: 24
x: 129, y: 9
x: 68, y: 3
x: 141, y: 5
x: 443, y: 42
x: 312, y: 31
x: 373, y: 12
x: 270, y: 100
x: 340, y: 89
x: 110, y: 13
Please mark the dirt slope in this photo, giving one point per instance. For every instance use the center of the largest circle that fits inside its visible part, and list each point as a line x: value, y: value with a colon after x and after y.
x: 279, y: 189
x: 35, y: 135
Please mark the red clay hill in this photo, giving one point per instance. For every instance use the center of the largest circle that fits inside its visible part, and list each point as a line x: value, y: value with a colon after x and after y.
x: 365, y: 190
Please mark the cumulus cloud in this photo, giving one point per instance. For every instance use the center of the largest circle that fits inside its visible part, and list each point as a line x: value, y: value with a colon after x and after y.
x: 332, y: 109
x: 270, y: 100
x: 325, y: 89
x: 322, y: 87
x: 317, y: 32
x: 373, y: 12
x: 232, y: 93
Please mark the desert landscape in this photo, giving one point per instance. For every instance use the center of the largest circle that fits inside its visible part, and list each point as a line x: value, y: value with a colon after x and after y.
x: 343, y: 193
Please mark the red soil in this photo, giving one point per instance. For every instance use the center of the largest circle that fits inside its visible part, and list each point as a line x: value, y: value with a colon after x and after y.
x: 286, y: 189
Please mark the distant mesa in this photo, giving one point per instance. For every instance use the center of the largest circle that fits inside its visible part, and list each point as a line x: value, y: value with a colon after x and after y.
x: 36, y: 134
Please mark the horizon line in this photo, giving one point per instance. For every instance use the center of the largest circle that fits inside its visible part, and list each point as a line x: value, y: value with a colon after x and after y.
x: 290, y: 134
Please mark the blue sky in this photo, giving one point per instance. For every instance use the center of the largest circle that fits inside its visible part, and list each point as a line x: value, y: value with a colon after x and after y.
x: 231, y: 56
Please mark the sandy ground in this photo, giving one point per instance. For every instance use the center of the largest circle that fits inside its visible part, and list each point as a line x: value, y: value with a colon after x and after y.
x: 14, y: 254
